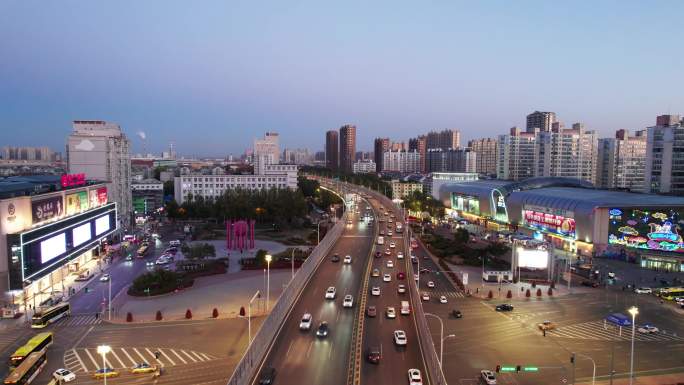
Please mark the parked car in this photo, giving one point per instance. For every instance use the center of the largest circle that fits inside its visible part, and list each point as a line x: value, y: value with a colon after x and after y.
x: 488, y: 377
x: 648, y: 329
x: 143, y: 367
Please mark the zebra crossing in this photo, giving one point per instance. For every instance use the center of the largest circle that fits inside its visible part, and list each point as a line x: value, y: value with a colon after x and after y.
x: 446, y: 293
x: 595, y: 330
x: 79, y: 320
x: 88, y: 360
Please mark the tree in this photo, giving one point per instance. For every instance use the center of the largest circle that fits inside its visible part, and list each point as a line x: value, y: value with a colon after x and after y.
x: 169, y: 188
x: 129, y: 317
x: 490, y: 295
x: 461, y: 235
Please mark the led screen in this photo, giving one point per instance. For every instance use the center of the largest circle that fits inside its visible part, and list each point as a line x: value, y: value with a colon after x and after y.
x: 532, y: 258
x: 101, y: 225
x: 52, y: 247
x: 550, y: 223
x: 81, y: 234
x: 646, y: 228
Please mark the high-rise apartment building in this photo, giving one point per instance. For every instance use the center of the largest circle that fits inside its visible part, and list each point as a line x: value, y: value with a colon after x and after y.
x: 665, y: 156
x: 401, y: 161
x: 419, y: 144
x: 486, y: 150
x: 515, y: 160
x: 300, y: 156
x: 102, y: 151
x: 445, y: 139
x: 452, y: 160
x: 622, y: 161
x: 347, y: 147
x: 332, y: 150
x: 570, y: 153
x: 380, y: 147
x: 40, y: 154
x: 541, y: 120
x: 266, y: 151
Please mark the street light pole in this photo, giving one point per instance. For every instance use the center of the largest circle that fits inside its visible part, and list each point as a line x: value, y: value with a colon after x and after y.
x: 268, y: 280
x: 292, y: 256
x: 109, y: 303
x: 104, y: 349
x: 593, y: 375
x: 633, y: 311
x: 441, y: 348
x: 441, y: 336
x: 249, y: 318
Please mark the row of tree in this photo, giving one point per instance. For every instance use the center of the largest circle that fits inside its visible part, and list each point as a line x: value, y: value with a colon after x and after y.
x: 371, y: 180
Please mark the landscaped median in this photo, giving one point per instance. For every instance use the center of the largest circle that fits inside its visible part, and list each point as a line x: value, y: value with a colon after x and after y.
x: 162, y: 281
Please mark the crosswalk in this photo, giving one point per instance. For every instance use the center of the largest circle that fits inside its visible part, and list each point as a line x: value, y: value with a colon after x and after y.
x: 595, y: 330
x: 79, y: 320
x: 446, y: 293
x: 88, y: 360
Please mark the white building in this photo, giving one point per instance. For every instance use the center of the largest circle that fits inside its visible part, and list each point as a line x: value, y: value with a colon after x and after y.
x: 622, y: 161
x: 266, y: 151
x: 101, y: 151
x: 300, y: 156
x: 213, y: 186
x: 364, y: 167
x: 571, y: 153
x: 401, y: 189
x: 401, y: 161
x: 665, y: 156
x: 516, y: 155
x: 437, y: 179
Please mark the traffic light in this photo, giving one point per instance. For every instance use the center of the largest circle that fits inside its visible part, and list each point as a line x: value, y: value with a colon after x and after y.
x: 498, y: 368
x: 517, y: 368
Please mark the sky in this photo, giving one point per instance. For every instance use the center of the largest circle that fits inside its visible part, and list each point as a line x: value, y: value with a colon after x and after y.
x: 213, y: 75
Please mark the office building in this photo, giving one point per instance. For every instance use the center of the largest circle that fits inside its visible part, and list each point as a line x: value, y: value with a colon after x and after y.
x: 451, y: 160
x: 622, y: 161
x: 332, y: 148
x: 380, y: 147
x: 540, y: 120
x: 148, y: 196
x: 402, y: 189
x: 300, y: 156
x: 101, y: 151
x: 419, y: 144
x: 516, y: 155
x: 347, y: 147
x: 570, y: 153
x: 401, y: 161
x: 444, y: 139
x: 486, y: 152
x: 364, y: 167
x: 665, y: 156
x: 266, y: 151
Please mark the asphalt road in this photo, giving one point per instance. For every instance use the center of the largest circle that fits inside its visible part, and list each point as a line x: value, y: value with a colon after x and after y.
x: 299, y: 356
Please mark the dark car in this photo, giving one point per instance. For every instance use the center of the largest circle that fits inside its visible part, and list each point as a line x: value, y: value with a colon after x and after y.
x: 336, y: 258
x: 373, y: 355
x: 322, y: 330
x: 378, y: 254
x: 504, y: 307
x: 590, y: 284
x: 267, y: 376
x: 457, y: 314
x: 401, y: 275
x: 371, y: 311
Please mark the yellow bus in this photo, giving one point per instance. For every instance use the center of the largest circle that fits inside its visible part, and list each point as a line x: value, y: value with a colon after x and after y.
x: 49, y: 315
x: 28, y: 370
x: 670, y: 293
x: 37, y: 343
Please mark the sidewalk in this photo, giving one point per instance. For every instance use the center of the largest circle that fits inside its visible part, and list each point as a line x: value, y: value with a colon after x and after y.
x: 663, y: 379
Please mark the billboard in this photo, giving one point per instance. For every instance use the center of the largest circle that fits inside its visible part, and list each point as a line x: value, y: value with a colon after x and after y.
x: 48, y: 208
x: 52, y: 247
x: 646, y: 228
x: 532, y: 258
x: 76, y: 203
x: 98, y: 197
x: 550, y: 223
x: 81, y: 234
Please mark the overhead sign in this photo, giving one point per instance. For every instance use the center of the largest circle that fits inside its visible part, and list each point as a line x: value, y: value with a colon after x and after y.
x: 619, y: 319
x: 45, y: 209
x: 71, y: 180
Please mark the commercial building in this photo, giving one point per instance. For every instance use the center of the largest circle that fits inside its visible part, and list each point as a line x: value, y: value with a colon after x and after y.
x: 347, y: 147
x: 188, y: 186
x: 266, y: 151
x: 540, y: 121
x: 148, y: 196
x: 364, y: 167
x: 574, y: 216
x: 567, y: 153
x: 622, y: 161
x: 401, y: 161
x: 52, y: 228
x: 380, y: 147
x: 102, y: 151
x: 436, y: 179
x: 516, y: 159
x: 332, y: 148
x: 444, y: 139
x: 401, y: 189
x: 451, y: 160
x: 419, y: 144
x: 665, y: 156
x: 486, y: 153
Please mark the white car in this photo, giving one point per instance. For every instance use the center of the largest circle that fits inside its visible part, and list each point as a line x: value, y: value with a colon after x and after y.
x: 175, y: 243
x: 348, y: 301
x: 643, y: 290
x: 392, y: 245
x: 104, y: 278
x: 425, y: 297
x: 305, y: 323
x: 400, y: 338
x: 63, y: 375
x: 400, y: 255
x: 401, y: 289
x: 442, y: 299
x: 414, y: 377
x: 347, y: 259
x: 648, y: 329
x: 387, y: 278
x: 375, y: 291
x: 488, y: 377
x: 415, y: 277
x: 431, y: 284
x: 679, y: 300
x: 162, y: 261
x: 389, y: 233
x: 391, y: 313
x: 330, y: 293
x: 390, y: 263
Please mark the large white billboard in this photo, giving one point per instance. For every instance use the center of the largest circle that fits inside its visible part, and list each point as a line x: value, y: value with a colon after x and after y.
x: 101, y: 224
x: 81, y: 234
x: 533, y: 258
x: 52, y: 247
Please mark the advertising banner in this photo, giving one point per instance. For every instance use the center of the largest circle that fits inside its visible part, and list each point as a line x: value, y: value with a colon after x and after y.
x: 76, y: 203
x: 45, y: 209
x: 651, y: 228
x: 550, y: 222
x: 98, y: 197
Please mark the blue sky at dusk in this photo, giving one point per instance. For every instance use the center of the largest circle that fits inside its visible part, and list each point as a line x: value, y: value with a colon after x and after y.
x: 212, y: 75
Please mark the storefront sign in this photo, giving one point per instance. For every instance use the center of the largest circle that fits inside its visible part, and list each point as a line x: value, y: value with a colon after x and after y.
x: 45, y: 209
x: 72, y: 180
x: 550, y: 222
x: 76, y: 203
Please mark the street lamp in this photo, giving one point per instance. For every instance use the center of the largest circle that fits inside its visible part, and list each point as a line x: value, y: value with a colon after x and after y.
x: 268, y: 279
x: 104, y: 349
x: 442, y: 347
x: 633, y: 311
x: 441, y: 336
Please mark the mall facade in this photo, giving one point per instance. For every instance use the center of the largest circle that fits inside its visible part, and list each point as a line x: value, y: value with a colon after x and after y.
x: 574, y: 216
x: 52, y: 229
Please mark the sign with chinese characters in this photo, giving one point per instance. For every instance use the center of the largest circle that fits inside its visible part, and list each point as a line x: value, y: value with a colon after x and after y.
x: 45, y: 209
x: 76, y: 203
x: 550, y: 223
x: 71, y: 180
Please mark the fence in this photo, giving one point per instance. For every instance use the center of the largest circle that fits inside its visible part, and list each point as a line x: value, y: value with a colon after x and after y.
x: 251, y: 360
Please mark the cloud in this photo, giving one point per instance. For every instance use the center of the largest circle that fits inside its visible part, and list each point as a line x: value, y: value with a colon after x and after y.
x: 85, y: 145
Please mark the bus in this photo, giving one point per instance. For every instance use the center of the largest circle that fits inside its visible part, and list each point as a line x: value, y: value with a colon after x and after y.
x: 49, y: 315
x: 142, y: 251
x: 28, y: 370
x: 381, y: 240
x: 39, y: 342
x: 671, y: 293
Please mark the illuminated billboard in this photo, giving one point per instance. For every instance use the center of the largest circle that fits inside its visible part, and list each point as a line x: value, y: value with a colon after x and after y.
x: 646, y: 228
x: 81, y: 234
x: 52, y: 247
x: 76, y: 203
x: 532, y: 258
x: 550, y: 223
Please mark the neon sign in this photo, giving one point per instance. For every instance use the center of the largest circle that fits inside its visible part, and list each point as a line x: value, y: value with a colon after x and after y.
x: 72, y: 180
x: 656, y: 229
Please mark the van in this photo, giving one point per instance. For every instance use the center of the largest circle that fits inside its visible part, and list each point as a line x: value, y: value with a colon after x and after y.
x: 405, y: 308
x: 381, y: 240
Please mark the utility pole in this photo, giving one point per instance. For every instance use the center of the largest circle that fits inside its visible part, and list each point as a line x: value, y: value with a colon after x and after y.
x: 572, y: 360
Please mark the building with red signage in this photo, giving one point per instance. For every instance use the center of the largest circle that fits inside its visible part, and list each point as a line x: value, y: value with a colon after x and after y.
x: 52, y: 229
x: 575, y: 216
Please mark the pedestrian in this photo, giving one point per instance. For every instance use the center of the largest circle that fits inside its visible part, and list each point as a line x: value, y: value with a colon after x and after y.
x: 97, y: 315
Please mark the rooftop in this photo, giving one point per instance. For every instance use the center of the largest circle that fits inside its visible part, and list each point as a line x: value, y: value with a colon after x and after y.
x: 15, y: 186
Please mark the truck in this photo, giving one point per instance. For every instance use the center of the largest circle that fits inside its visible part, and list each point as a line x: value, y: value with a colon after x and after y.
x: 381, y: 240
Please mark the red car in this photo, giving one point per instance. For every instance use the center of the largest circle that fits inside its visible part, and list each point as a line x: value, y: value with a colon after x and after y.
x: 401, y: 275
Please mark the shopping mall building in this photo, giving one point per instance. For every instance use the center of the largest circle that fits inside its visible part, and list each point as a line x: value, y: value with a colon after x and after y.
x: 576, y: 217
x: 52, y: 228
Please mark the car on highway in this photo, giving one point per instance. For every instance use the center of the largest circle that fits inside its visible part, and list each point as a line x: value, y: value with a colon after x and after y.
x: 175, y: 243
x: 648, y: 329
x: 546, y: 325
x: 401, y: 275
x: 504, y: 307
x: 389, y: 233
x: 371, y: 311
x: 162, y: 260
x: 375, y: 290
x: 392, y: 245
x: 104, y: 277
x: 401, y: 289
x: 442, y: 299
x: 488, y: 377
x: 129, y: 257
x: 373, y: 355
x: 378, y: 254
x: 425, y: 296
x: 171, y: 250
x: 382, y: 232
x: 347, y: 259
x: 414, y: 377
x: 414, y: 260
x: 424, y: 270
x: 643, y: 290
x: 105, y: 372
x: 431, y: 284
x: 456, y: 313
x: 348, y: 301
x: 267, y: 376
x: 611, y: 275
x: 330, y: 293
x: 390, y: 312
x: 388, y: 252
x: 375, y: 273
x: 390, y: 263
x: 305, y: 323
x: 323, y: 329
x: 400, y: 338
x: 335, y: 258
x: 387, y: 278
x: 63, y: 375
x: 349, y: 221
x: 143, y: 367
x: 400, y: 255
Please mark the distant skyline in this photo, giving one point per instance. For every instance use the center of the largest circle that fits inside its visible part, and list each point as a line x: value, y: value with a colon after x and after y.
x: 213, y: 76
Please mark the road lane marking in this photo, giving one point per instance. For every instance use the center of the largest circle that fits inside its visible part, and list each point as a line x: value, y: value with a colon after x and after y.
x: 80, y: 361
x: 140, y: 355
x: 92, y: 359
x: 331, y: 350
x: 288, y: 349
x: 117, y: 358
x: 129, y: 356
x: 198, y: 356
x: 206, y: 357
x: 308, y: 351
x: 189, y: 356
x: 167, y: 356
x: 179, y: 357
